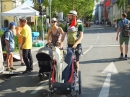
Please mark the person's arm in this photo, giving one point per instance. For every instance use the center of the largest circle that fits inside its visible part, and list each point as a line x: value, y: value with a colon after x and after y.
x: 24, y: 35
x: 62, y: 33
x: 80, y: 29
x: 48, y: 36
x: 118, y: 31
x: 18, y: 32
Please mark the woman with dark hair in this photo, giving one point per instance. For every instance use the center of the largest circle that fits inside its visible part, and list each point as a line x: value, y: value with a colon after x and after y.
x: 9, y: 40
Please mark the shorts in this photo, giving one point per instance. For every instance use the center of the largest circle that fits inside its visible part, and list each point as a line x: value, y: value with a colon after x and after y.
x: 78, y: 51
x: 20, y: 51
x: 11, y: 51
x: 124, y: 39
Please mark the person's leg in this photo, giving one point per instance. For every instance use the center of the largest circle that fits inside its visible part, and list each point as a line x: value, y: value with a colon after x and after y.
x: 121, y: 47
x: 30, y: 59
x: 126, y: 46
x: 11, y: 61
x: 26, y: 60
x: 7, y: 62
x: 21, y: 55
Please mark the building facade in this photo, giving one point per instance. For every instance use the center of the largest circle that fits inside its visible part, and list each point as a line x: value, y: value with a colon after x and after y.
x: 7, y: 5
x: 99, y: 12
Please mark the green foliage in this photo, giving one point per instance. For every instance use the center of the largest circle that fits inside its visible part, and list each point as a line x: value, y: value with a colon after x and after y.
x: 128, y: 15
x: 62, y: 26
x: 83, y: 7
x: 121, y: 4
x: 1, y: 33
x: 118, y: 20
x: 16, y: 41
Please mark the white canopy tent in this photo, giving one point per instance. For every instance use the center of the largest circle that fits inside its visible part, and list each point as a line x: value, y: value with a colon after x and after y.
x: 23, y: 10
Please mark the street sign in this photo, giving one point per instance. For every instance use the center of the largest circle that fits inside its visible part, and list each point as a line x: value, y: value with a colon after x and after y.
x: 40, y: 1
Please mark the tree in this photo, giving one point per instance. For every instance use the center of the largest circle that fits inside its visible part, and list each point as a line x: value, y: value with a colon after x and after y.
x: 83, y: 7
x: 121, y: 4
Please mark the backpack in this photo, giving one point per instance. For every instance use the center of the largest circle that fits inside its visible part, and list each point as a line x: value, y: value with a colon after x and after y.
x: 125, y: 29
x: 72, y: 33
x: 3, y: 40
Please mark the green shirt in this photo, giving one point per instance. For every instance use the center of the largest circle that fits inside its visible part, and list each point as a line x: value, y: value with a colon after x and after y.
x: 80, y: 28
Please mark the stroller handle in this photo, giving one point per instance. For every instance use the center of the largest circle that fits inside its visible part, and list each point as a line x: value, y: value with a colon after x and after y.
x: 52, y: 44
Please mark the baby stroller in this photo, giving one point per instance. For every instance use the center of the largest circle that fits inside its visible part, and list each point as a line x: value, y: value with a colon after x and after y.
x: 68, y: 75
x: 45, y: 61
x: 45, y: 57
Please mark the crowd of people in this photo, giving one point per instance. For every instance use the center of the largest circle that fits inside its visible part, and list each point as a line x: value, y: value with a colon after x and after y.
x: 56, y: 34
x: 24, y: 33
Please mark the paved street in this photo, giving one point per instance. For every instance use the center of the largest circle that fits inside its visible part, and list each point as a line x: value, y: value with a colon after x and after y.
x: 103, y: 74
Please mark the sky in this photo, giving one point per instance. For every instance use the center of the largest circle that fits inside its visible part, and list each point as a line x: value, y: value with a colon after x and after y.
x: 29, y: 2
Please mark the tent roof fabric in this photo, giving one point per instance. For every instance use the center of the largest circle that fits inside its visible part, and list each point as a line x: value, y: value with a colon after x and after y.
x: 23, y: 10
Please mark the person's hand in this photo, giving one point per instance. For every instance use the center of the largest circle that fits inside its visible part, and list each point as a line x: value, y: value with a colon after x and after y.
x: 21, y: 47
x: 61, y: 45
x: 75, y: 45
x: 117, y: 38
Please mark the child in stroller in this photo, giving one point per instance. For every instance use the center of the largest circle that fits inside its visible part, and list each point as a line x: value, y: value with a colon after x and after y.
x: 69, y: 75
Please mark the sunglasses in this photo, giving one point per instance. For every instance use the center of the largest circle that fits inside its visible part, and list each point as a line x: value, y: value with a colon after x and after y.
x: 53, y: 22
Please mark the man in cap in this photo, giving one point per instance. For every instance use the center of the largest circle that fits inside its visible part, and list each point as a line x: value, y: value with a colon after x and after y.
x: 9, y: 40
x: 75, y: 35
x: 26, y: 45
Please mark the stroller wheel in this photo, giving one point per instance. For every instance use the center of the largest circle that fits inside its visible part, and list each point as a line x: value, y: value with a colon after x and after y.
x: 76, y: 94
x: 41, y: 77
x: 49, y: 94
x: 79, y: 82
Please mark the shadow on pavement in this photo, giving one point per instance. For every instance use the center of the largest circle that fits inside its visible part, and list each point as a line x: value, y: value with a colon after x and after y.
x: 102, y: 60
x: 120, y: 86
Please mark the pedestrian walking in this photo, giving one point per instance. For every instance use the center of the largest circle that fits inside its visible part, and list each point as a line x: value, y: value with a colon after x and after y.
x: 75, y: 35
x: 123, y: 38
x: 18, y: 31
x: 26, y: 46
x: 9, y: 40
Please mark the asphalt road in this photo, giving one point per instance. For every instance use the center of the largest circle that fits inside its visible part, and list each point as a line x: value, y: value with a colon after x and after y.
x: 101, y: 50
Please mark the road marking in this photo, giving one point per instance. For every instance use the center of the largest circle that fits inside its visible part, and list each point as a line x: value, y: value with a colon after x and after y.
x: 24, y: 67
x: 97, y: 38
x: 39, y: 88
x: 87, y: 51
x: 110, y: 69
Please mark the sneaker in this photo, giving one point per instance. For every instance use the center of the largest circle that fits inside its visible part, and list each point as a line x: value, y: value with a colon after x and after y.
x: 126, y: 58
x: 26, y: 72
x: 22, y: 64
x: 121, y: 57
x: 8, y: 69
x: 12, y: 68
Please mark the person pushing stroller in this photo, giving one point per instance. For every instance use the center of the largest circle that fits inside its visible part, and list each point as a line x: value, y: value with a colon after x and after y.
x: 55, y: 34
x: 74, y: 32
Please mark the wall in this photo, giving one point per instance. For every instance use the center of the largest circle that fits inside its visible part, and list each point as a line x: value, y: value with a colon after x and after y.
x: 6, y: 6
x: 117, y: 12
x: 110, y: 14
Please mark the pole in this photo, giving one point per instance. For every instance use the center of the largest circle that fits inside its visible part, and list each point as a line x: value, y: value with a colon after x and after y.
x: 50, y: 10
x: 42, y: 28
